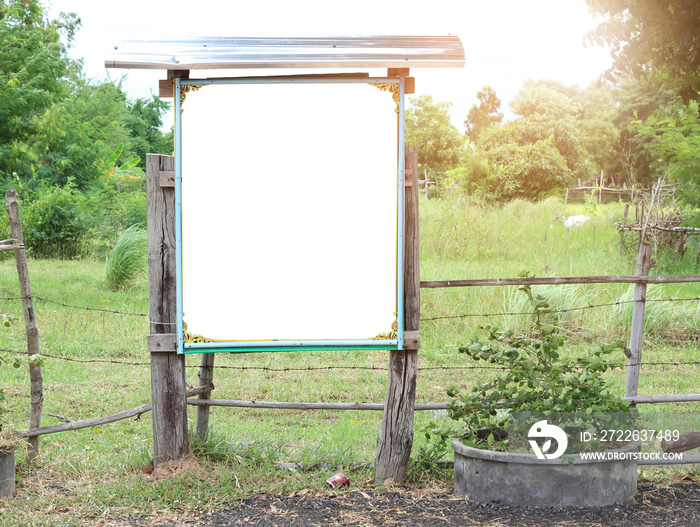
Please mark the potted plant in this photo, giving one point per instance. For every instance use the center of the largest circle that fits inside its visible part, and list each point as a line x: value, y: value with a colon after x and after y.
x: 521, y: 435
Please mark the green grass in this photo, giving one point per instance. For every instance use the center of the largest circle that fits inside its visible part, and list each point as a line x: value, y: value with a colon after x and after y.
x: 251, y: 449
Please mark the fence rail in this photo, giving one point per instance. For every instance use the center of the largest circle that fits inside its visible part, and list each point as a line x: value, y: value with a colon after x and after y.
x: 362, y: 406
x: 681, y: 279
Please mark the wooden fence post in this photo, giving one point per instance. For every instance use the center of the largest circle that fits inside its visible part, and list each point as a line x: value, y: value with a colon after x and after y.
x: 637, y: 328
x: 168, y: 387
x: 395, y: 437
x: 206, y: 377
x: 36, y: 379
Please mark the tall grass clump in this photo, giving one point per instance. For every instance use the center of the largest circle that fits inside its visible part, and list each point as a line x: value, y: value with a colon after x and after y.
x: 128, y: 261
x: 664, y: 318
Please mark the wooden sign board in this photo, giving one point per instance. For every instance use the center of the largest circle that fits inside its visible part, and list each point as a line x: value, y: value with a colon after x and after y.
x: 289, y: 195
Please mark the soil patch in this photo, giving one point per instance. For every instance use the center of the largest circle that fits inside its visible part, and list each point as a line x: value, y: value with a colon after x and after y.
x: 188, y: 465
x: 654, y: 504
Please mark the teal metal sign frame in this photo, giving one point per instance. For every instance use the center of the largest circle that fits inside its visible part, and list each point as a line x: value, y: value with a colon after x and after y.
x: 184, y: 346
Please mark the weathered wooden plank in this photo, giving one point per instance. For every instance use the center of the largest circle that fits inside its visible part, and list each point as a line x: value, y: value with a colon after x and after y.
x: 564, y: 280
x: 162, y: 343
x: 97, y: 421
x: 377, y: 407
x: 395, y: 438
x: 36, y: 379
x: 167, y: 178
x: 637, y: 327
x: 411, y: 340
x: 686, y: 441
x: 411, y: 263
x: 168, y: 393
x: 658, y: 399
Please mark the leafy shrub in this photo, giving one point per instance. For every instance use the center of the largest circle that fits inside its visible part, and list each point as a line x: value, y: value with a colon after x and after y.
x: 535, y: 379
x: 117, y: 202
x: 54, y: 224
x: 128, y: 261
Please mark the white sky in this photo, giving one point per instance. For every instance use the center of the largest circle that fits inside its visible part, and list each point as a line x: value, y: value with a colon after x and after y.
x: 505, y: 41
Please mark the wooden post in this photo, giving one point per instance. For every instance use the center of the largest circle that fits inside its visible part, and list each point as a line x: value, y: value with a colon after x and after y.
x: 637, y: 329
x: 168, y: 388
x: 206, y: 377
x: 395, y: 437
x: 36, y: 379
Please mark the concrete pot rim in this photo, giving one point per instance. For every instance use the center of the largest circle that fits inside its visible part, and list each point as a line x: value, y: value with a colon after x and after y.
x: 531, y: 459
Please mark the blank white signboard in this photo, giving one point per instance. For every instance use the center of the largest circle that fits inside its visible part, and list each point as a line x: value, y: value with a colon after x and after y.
x: 289, y: 212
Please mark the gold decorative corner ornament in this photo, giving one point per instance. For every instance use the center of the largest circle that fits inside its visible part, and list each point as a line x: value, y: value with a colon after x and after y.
x: 184, y: 90
x: 393, y: 88
x: 389, y: 335
x: 192, y: 337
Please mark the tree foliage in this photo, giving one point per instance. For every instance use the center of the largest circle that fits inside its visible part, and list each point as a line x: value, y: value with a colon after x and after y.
x: 653, y: 39
x: 600, y: 134
x: 636, y: 101
x: 33, y: 63
x: 671, y: 139
x: 481, y: 118
x: 144, y: 122
x: 59, y: 134
x: 538, y: 99
x: 540, y: 152
x: 428, y: 127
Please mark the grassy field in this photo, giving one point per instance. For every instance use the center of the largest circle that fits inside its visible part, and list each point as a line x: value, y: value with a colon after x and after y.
x: 99, y: 365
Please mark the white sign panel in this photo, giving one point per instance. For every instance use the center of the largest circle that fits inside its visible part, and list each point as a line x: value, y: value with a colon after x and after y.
x: 289, y: 212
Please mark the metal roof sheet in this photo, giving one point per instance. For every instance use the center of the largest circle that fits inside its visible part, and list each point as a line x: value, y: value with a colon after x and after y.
x: 257, y: 52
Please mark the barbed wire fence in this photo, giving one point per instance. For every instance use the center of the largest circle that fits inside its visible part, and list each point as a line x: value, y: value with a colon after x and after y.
x: 336, y: 367
x: 439, y: 406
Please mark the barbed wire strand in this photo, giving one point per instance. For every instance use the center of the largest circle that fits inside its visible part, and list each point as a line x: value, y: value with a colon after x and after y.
x: 316, y: 368
x: 423, y: 319
x: 555, y: 311
x: 103, y: 310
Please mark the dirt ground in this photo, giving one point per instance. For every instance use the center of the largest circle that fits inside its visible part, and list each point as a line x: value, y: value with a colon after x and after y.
x: 655, y: 504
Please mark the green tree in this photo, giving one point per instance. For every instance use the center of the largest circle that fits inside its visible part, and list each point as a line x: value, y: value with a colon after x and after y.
x: 144, y: 122
x: 428, y: 127
x: 539, y: 99
x: 33, y: 62
x: 652, y: 39
x: 637, y: 100
x: 74, y: 137
x: 600, y: 135
x: 540, y: 152
x: 481, y: 118
x: 672, y: 140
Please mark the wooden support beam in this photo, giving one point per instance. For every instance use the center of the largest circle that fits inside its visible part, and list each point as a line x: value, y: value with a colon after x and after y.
x: 562, y: 280
x: 637, y: 328
x: 98, y: 421
x: 398, y: 72
x: 166, y: 87
x: 36, y: 378
x: 395, y: 438
x: 167, y: 178
x: 419, y: 407
x: 206, y: 377
x: 162, y: 343
x: 686, y: 441
x: 411, y: 340
x: 168, y: 388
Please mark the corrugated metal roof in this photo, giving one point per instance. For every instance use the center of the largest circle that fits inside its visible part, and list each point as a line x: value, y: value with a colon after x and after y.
x: 256, y: 52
